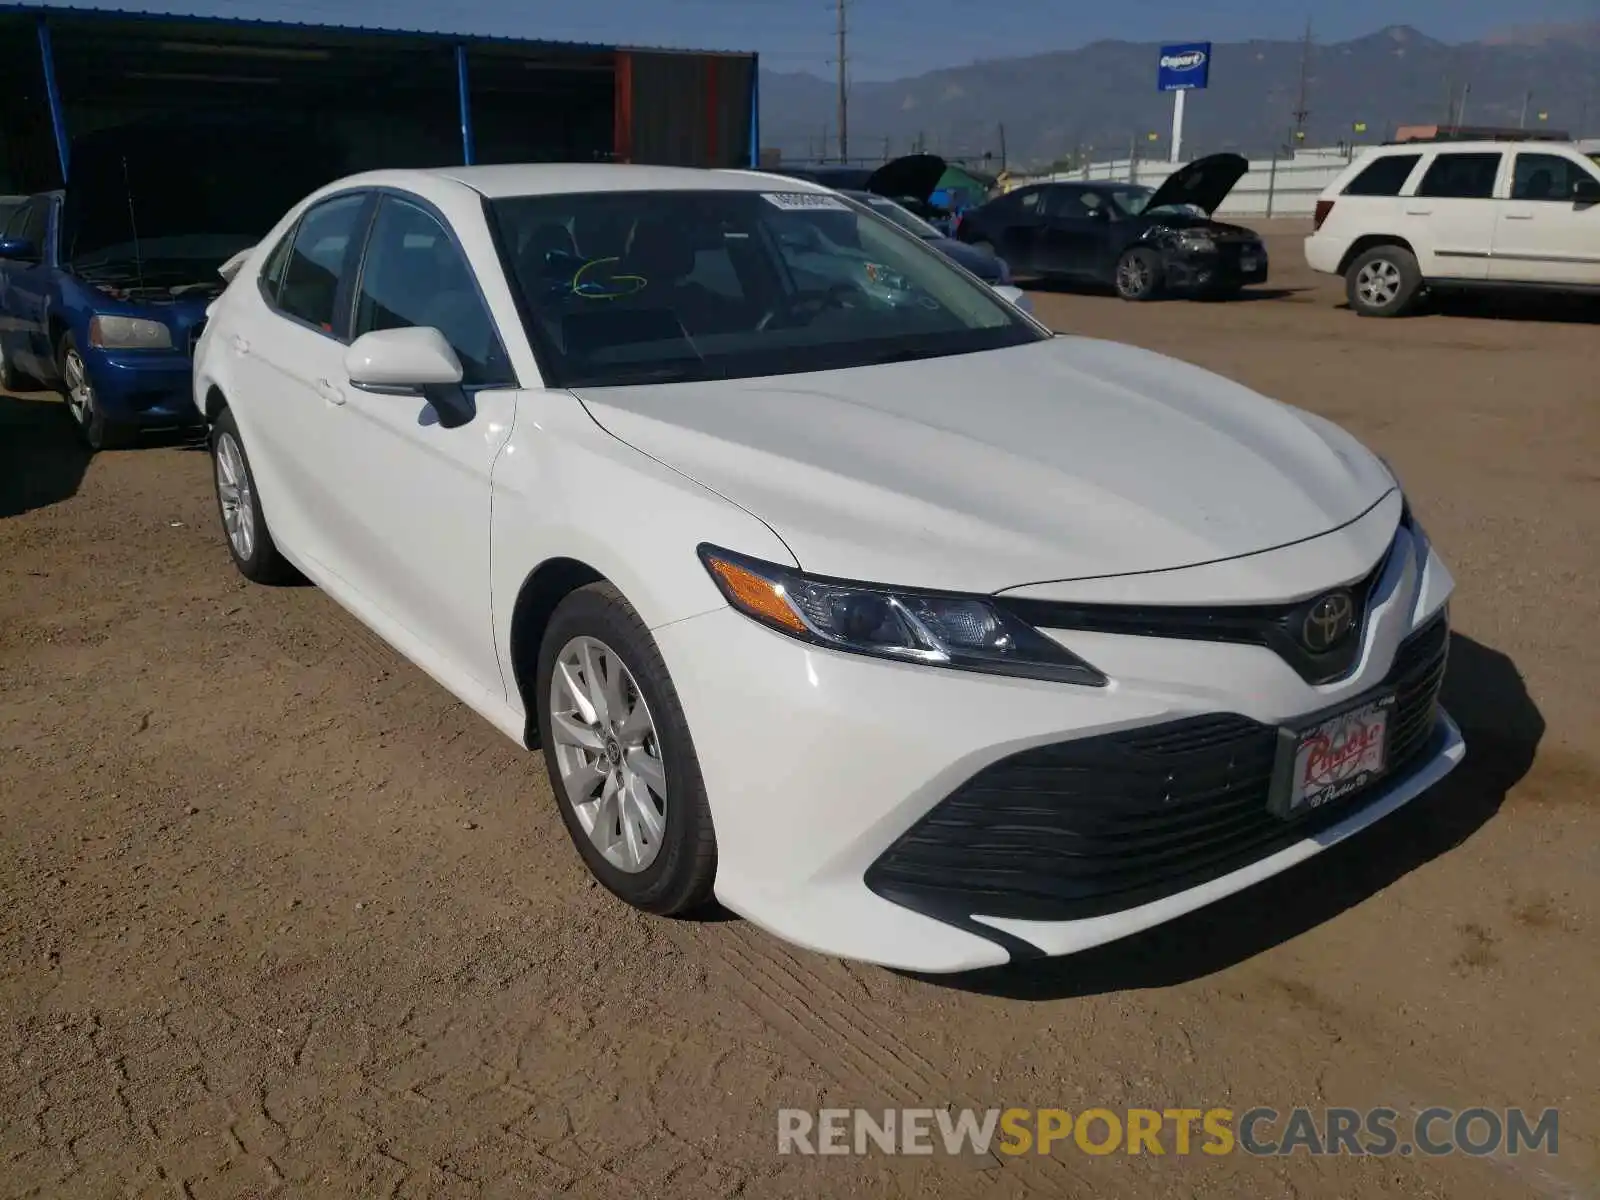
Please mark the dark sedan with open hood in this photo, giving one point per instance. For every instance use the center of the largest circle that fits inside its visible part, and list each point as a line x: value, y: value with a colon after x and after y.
x: 1142, y: 241
x: 104, y: 285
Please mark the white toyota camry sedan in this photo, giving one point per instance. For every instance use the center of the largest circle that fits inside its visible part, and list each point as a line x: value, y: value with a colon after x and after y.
x: 831, y: 584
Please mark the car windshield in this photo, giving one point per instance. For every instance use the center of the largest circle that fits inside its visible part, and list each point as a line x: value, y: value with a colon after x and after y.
x: 1134, y: 201
x: 662, y: 287
x: 903, y: 217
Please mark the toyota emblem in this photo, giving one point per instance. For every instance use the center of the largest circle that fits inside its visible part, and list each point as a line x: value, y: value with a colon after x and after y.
x: 1327, y: 622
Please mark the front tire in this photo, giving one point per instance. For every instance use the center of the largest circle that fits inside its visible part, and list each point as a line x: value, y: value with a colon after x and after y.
x: 98, y: 431
x: 244, y: 526
x: 622, y: 764
x: 1383, y: 282
x: 1139, y: 275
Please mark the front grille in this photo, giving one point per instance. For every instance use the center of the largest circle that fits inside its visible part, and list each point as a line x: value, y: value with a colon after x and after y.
x: 1276, y: 626
x: 1084, y: 828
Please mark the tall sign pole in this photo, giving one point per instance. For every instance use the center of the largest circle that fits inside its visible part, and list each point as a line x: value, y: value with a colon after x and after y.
x: 1182, y: 68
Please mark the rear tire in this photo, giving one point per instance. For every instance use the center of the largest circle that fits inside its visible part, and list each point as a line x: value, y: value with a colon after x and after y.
x: 1383, y: 282
x: 244, y: 525
x: 1139, y: 275
x: 644, y: 833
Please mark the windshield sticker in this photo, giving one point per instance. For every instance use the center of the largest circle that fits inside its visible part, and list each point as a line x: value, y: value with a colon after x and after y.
x: 805, y: 201
x: 598, y: 279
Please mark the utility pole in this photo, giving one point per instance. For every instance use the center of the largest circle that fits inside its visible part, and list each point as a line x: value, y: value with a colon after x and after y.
x: 1002, y: 146
x: 1461, y: 112
x: 1301, y: 112
x: 844, y: 91
x: 1526, y: 97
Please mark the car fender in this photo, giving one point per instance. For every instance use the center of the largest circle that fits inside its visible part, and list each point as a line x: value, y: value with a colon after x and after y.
x: 564, y: 488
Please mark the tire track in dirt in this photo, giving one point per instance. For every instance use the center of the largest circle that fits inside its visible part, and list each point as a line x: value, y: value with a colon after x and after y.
x: 869, y: 1061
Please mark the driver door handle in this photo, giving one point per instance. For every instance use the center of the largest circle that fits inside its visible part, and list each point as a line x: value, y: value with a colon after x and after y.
x: 329, y: 393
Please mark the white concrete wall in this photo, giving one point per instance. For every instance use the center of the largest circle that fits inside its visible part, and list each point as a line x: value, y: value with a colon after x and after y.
x: 1286, y: 187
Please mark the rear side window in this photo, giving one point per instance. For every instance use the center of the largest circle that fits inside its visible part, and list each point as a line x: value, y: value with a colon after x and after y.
x: 1461, y: 177
x: 316, y: 266
x: 1545, y: 177
x: 272, y: 269
x: 1385, y: 176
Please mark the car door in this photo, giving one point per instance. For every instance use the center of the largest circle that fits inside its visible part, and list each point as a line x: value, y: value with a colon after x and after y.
x: 1075, y: 232
x: 1543, y: 234
x: 1450, y: 217
x: 286, y: 349
x: 1014, y: 222
x: 26, y: 286
x: 417, y: 493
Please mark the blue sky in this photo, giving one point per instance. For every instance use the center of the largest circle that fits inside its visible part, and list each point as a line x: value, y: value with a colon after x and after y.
x: 901, y: 37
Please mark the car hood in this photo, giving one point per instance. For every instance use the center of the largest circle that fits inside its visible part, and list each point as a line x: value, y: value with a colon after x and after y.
x: 980, y: 262
x: 1061, y: 460
x: 1205, y: 182
x: 913, y: 175
x: 223, y: 179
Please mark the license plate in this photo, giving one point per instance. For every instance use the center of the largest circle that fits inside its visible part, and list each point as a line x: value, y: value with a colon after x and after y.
x: 1332, y: 759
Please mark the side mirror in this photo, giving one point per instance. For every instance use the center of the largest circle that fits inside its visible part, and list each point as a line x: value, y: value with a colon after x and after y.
x: 411, y: 362
x: 1586, y: 191
x: 19, y: 249
x: 402, y: 360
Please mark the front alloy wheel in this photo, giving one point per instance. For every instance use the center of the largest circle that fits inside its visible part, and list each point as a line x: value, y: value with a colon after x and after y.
x: 83, y: 404
x: 1139, y: 275
x: 622, y: 764
x: 608, y: 754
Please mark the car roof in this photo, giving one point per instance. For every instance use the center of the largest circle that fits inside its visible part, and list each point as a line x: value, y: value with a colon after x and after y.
x: 1485, y: 146
x: 535, y: 179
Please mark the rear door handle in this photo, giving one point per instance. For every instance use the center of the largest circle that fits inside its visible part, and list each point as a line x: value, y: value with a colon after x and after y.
x: 1519, y: 216
x: 1419, y: 212
x: 240, y: 346
x: 329, y: 393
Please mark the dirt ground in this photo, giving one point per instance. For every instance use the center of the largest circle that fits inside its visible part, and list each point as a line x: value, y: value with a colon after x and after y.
x: 279, y: 916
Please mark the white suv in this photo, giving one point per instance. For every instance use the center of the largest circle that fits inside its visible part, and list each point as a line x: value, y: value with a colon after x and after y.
x: 1459, y: 215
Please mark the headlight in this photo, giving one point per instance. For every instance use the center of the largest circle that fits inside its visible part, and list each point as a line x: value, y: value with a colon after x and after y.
x: 969, y: 633
x: 129, y: 333
x: 1196, y: 243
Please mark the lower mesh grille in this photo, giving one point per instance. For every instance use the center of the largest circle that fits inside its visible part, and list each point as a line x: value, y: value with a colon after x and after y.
x: 1088, y: 827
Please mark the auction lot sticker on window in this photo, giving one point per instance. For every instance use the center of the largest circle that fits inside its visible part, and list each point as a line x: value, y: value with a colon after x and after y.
x: 805, y: 201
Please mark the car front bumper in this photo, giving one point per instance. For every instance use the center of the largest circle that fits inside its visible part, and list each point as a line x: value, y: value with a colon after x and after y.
x: 1226, y: 268
x: 143, y: 389
x: 835, y: 780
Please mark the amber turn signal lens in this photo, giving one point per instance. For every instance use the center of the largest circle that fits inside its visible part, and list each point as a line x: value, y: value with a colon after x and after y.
x: 758, y: 597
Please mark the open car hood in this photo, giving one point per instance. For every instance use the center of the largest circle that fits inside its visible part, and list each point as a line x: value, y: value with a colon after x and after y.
x: 190, y: 178
x: 1205, y: 182
x: 914, y: 175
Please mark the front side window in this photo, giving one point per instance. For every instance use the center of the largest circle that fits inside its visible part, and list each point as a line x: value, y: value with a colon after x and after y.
x: 634, y: 287
x: 1385, y: 176
x: 414, y: 276
x: 1546, y: 177
x: 316, y: 266
x: 1461, y: 177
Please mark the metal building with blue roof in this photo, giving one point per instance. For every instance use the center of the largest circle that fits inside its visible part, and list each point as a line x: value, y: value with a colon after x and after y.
x: 379, y: 97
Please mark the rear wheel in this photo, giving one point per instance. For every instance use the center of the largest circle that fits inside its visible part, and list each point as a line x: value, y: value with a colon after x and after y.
x: 1139, y: 274
x: 98, y: 431
x: 621, y: 761
x: 1383, y: 282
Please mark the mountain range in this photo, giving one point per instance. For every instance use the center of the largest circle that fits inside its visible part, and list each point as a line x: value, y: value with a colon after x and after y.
x: 1101, y: 99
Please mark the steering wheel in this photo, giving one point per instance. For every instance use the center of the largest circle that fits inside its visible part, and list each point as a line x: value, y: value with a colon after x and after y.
x: 837, y: 295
